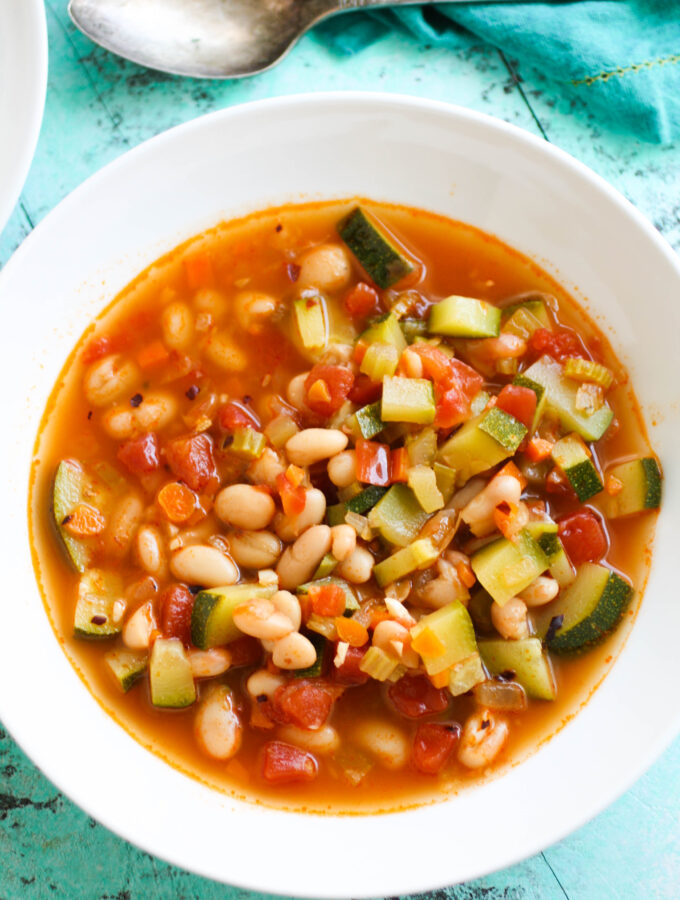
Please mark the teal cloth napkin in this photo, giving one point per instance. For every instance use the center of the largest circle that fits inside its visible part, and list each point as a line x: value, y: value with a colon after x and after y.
x: 621, y: 57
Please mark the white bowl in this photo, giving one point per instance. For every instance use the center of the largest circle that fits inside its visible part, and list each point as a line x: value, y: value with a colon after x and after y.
x: 23, y: 80
x: 409, y: 151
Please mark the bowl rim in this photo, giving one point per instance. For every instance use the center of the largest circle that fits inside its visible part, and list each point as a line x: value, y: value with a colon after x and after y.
x: 262, y: 879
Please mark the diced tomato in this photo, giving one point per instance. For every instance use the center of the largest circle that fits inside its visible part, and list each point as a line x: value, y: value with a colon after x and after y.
x: 283, y: 763
x: 415, y: 696
x: 141, y: 454
x: 327, y: 599
x: 373, y: 462
x: 433, y: 744
x: 349, y: 672
x: 233, y: 415
x: 191, y: 459
x: 365, y: 391
x: 96, y: 349
x: 519, y: 402
x: 361, y: 300
x: 455, y: 385
x: 245, y: 651
x: 338, y: 380
x: 400, y: 465
x: 152, y: 355
x: 435, y: 362
x: 302, y: 702
x: 583, y: 536
x: 176, y: 605
x: 453, y: 407
x: 293, y: 498
x: 559, y: 344
x: 199, y: 270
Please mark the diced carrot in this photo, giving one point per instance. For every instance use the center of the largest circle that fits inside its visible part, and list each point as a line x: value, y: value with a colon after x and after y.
x: 538, y: 449
x: 428, y: 644
x: 293, y: 499
x: 319, y: 392
x: 295, y: 475
x: 199, y: 270
x: 505, y: 517
x: 612, y: 485
x: 351, y: 631
x: 153, y: 354
x: 360, y: 349
x: 177, y: 501
x: 84, y: 521
x: 378, y: 615
x: 399, y: 465
x: 441, y: 679
x: 328, y: 600
x: 465, y: 573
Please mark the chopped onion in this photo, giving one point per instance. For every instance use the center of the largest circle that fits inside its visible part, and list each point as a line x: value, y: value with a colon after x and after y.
x: 495, y: 694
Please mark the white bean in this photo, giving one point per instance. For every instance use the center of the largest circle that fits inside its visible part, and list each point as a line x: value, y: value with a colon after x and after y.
x: 344, y: 541
x: 209, y: 663
x: 290, y: 527
x: 253, y: 310
x: 478, y: 513
x: 266, y: 469
x: 207, y: 300
x: 541, y: 591
x: 261, y: 619
x: 296, y: 392
x: 139, y: 627
x: 223, y: 352
x: 300, y: 561
x: 289, y: 605
x: 108, y: 379
x: 254, y: 549
x: 342, y: 468
x: 510, y: 620
x: 119, y: 422
x: 155, y: 411
x: 358, y: 567
x: 123, y: 523
x: 264, y: 683
x: 314, y: 444
x: 384, y: 741
x: 327, y: 268
x: 204, y: 565
x: 294, y: 651
x: 244, y: 506
x: 217, y: 726
x: 323, y: 741
x: 177, y: 325
x: 150, y: 552
x: 483, y: 737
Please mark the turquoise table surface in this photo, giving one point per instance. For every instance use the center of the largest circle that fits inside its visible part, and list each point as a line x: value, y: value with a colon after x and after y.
x: 97, y: 108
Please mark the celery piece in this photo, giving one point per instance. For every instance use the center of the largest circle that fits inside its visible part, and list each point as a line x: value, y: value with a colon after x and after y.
x: 505, y: 568
x: 423, y: 483
x: 522, y: 323
x: 279, y: 430
x: 377, y: 252
x: 248, y: 443
x: 325, y: 567
x: 422, y: 447
x: 379, y: 360
x: 504, y: 428
x: 377, y: 664
x: 335, y: 514
x: 444, y: 638
x: 368, y: 420
x: 587, y: 370
x: 385, y: 330
x: 479, y: 402
x: 312, y: 321
x: 407, y: 400
x: 398, y: 516
x: 413, y: 328
x: 465, y: 317
x: 507, y: 366
x: 446, y: 480
x: 466, y: 674
x: 418, y: 555
x: 471, y: 450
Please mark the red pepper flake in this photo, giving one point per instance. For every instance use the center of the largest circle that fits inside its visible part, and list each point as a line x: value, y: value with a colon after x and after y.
x: 66, y: 519
x: 192, y: 393
x: 136, y: 400
x: 89, y: 415
x: 99, y: 620
x: 293, y: 272
x: 553, y: 628
x: 279, y: 227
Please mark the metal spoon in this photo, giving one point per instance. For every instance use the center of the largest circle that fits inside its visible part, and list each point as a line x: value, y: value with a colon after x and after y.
x: 207, y: 38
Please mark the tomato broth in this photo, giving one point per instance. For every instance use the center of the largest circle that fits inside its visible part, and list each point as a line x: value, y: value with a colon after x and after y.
x: 227, y: 378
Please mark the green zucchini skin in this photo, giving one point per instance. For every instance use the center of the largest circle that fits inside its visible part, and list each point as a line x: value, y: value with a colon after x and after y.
x: 571, y: 455
x: 642, y: 486
x: 592, y: 606
x: 526, y: 659
x: 378, y: 256
x: 127, y: 667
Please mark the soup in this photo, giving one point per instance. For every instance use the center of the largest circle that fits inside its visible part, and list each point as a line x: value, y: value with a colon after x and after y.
x: 342, y: 506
